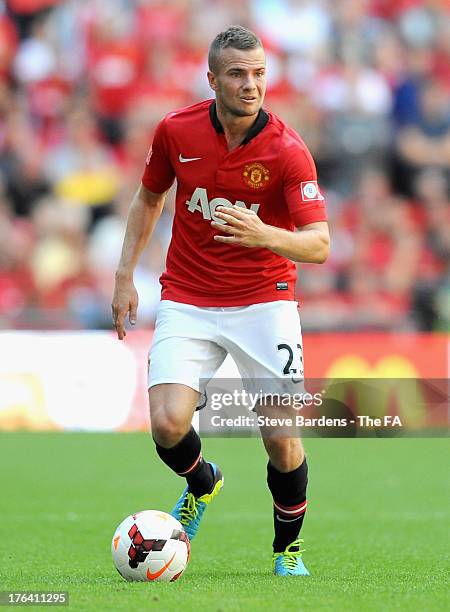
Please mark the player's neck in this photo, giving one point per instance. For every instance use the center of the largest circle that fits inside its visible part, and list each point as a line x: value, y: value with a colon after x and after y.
x: 235, y: 128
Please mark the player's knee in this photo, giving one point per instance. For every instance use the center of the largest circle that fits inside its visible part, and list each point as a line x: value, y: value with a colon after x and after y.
x: 167, y: 430
x: 284, y: 456
x: 284, y: 463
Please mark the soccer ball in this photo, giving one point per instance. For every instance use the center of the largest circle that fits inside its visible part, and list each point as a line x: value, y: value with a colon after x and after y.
x: 150, y: 546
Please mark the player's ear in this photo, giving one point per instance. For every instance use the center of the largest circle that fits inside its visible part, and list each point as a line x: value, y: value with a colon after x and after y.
x: 212, y: 80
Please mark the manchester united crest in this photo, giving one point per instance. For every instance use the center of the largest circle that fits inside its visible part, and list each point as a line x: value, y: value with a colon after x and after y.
x: 256, y: 175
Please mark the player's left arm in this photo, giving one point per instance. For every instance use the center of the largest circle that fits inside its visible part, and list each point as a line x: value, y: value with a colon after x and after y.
x: 309, y: 244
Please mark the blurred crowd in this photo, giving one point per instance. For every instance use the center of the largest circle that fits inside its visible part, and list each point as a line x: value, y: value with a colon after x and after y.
x: 83, y: 83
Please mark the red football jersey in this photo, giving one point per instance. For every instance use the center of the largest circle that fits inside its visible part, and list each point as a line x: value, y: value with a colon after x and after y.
x: 271, y: 172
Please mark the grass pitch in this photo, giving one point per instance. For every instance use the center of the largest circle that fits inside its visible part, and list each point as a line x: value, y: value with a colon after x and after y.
x: 376, y: 531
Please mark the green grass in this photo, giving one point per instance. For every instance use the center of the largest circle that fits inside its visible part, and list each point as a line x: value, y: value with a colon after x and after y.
x: 376, y: 532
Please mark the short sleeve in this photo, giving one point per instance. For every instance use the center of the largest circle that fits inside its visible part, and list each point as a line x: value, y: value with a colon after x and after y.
x: 159, y: 173
x: 301, y: 190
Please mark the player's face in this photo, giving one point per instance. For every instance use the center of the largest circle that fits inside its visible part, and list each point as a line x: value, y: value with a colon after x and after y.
x: 240, y: 82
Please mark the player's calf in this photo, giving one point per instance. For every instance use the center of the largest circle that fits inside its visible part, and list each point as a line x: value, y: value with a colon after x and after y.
x: 185, y: 459
x: 289, y: 506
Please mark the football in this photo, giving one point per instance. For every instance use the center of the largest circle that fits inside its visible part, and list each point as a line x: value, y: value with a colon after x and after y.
x: 150, y: 546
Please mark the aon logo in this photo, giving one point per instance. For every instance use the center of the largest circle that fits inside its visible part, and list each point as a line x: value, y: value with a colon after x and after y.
x: 199, y: 201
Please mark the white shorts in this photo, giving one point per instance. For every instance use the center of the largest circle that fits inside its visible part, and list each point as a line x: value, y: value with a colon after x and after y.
x: 190, y: 343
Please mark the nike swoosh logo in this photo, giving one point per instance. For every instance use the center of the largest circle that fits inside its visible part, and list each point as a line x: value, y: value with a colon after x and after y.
x: 156, y: 575
x: 183, y: 160
x: 287, y: 520
x: 296, y: 380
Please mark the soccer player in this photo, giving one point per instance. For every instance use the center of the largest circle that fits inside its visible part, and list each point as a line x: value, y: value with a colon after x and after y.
x: 247, y: 207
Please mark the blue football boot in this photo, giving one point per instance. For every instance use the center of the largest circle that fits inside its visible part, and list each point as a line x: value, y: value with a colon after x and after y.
x: 289, y: 562
x: 189, y: 509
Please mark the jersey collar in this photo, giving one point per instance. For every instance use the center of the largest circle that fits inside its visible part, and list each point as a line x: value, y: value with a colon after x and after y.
x: 257, y: 127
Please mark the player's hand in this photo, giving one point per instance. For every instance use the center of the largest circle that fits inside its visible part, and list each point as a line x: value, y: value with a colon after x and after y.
x: 125, y: 301
x: 243, y: 227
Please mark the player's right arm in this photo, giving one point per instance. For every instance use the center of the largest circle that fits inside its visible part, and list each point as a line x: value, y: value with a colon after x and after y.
x: 144, y: 212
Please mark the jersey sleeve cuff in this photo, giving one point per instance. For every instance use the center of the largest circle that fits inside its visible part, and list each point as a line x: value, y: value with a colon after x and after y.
x: 305, y: 217
x: 154, y: 186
